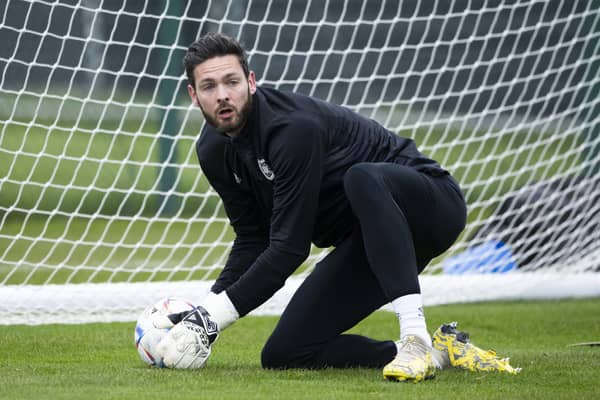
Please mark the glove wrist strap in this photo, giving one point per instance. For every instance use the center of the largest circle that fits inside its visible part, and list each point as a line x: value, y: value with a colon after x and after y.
x: 221, y: 309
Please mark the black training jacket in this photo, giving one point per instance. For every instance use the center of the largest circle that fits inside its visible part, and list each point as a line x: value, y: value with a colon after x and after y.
x: 281, y: 182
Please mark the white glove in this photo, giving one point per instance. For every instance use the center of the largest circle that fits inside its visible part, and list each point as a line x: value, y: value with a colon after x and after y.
x: 187, y: 345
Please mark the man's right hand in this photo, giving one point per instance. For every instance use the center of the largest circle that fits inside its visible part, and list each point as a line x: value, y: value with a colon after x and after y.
x: 188, y: 343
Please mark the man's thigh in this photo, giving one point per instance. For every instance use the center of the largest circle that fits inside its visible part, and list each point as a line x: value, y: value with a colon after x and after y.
x: 433, y: 207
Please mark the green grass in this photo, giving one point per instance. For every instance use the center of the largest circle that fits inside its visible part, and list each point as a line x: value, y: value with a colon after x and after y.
x: 98, y: 361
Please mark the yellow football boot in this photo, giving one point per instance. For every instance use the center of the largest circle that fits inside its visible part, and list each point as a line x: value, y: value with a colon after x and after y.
x: 413, y: 362
x: 452, y: 347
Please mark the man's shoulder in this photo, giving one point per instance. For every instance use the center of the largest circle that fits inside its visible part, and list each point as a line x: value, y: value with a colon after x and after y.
x: 282, y: 109
x: 286, y: 101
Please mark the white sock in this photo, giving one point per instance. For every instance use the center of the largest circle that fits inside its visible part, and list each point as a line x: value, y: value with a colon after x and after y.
x: 221, y: 309
x: 409, y: 310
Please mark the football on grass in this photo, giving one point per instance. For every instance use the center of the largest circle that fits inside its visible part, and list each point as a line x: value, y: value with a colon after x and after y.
x: 147, y: 336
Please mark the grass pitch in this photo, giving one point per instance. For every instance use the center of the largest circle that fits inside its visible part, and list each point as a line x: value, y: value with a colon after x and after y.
x: 98, y: 361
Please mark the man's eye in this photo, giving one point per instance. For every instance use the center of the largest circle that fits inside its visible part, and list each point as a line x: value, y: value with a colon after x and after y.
x: 232, y: 82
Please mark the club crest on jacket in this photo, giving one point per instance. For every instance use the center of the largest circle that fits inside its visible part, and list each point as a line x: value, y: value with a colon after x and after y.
x: 265, y: 169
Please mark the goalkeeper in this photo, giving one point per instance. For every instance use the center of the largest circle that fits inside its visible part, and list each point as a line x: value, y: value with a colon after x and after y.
x: 292, y: 170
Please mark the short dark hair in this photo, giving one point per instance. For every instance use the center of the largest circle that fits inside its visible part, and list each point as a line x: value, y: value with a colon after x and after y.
x: 212, y: 45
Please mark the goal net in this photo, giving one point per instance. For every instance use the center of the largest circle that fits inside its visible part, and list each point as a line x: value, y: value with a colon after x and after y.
x: 103, y: 207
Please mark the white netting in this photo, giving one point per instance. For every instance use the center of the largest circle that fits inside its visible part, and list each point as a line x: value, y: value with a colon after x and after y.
x: 100, y: 191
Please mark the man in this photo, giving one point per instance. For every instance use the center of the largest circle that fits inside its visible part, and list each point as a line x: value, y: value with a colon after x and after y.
x: 292, y: 170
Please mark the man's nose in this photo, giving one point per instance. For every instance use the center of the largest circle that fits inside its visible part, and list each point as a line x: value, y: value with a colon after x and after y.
x: 222, y: 94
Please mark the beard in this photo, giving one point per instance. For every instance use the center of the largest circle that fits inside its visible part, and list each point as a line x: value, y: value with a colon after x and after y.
x: 230, y: 127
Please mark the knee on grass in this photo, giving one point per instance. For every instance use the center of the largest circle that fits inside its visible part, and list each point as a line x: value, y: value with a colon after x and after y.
x: 280, y: 355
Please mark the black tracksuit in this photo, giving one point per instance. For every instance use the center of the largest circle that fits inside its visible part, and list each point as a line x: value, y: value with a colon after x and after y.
x: 301, y: 171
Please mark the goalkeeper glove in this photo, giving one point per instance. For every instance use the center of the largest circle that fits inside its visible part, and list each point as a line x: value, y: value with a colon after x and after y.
x: 188, y: 343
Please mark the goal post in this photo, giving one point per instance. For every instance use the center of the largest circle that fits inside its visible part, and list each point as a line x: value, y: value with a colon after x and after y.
x: 103, y: 207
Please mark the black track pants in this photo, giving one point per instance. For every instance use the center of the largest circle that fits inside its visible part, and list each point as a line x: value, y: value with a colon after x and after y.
x: 405, y: 218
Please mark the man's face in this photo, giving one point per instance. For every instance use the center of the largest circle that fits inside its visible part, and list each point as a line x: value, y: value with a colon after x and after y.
x: 223, y: 93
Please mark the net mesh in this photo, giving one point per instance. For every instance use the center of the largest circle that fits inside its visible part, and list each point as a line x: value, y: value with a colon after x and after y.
x: 99, y: 183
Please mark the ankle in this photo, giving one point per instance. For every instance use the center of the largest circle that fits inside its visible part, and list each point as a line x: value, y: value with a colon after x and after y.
x: 409, y: 310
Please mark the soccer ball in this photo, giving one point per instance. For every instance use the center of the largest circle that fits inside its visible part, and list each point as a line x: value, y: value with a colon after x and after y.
x: 147, y: 336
